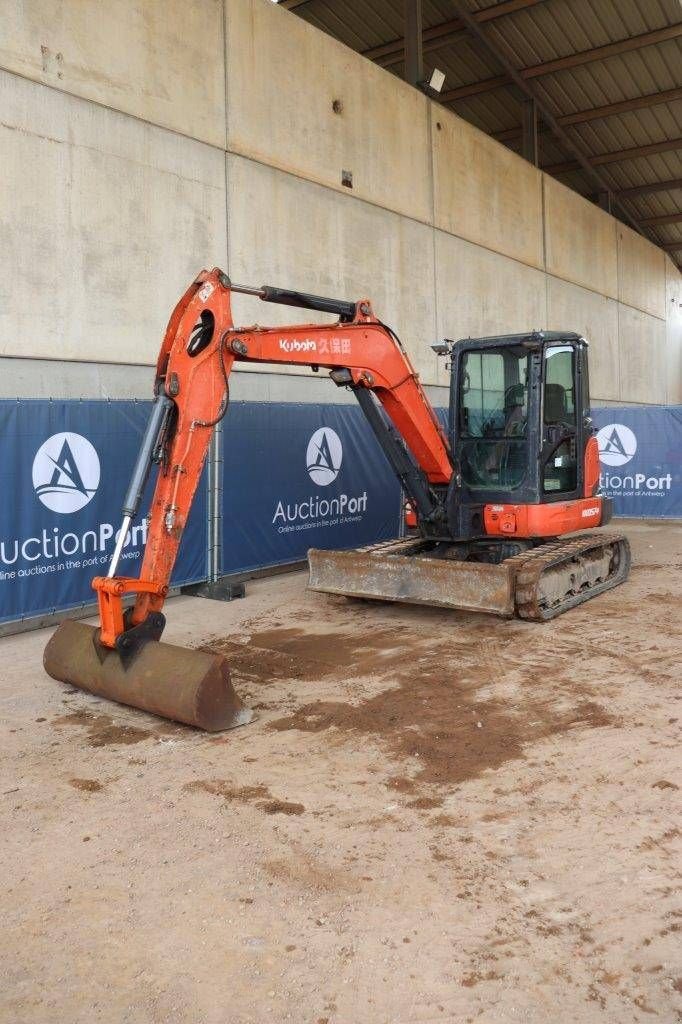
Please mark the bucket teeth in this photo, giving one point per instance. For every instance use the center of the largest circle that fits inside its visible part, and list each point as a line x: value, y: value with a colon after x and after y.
x: 187, y: 686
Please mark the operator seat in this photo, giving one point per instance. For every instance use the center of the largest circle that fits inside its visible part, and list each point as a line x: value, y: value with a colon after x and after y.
x: 556, y: 411
x: 511, y: 451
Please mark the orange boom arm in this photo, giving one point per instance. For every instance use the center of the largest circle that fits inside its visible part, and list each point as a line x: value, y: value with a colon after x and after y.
x: 199, y: 349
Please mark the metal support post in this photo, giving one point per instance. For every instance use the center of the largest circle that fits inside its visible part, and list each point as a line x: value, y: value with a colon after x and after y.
x: 414, y: 54
x: 529, y: 131
x: 215, y: 588
x: 604, y: 198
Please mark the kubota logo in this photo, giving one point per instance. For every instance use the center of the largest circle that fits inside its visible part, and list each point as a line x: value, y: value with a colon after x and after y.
x: 296, y: 345
x: 324, y: 456
x: 66, y: 472
x: 617, y: 444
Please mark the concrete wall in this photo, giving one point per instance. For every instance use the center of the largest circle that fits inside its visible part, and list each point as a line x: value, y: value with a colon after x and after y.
x: 479, y: 292
x: 483, y: 192
x: 595, y: 316
x: 142, y: 141
x: 641, y: 272
x: 105, y: 219
x: 159, y: 60
x: 283, y: 77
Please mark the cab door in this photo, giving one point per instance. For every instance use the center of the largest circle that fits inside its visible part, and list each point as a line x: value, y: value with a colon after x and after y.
x: 562, y: 421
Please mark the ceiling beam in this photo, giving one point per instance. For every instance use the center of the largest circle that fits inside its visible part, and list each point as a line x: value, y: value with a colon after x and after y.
x: 572, y: 60
x: 511, y: 134
x: 475, y: 89
x: 544, y: 110
x: 668, y: 218
x: 655, y: 186
x: 606, y: 110
x: 392, y: 52
x: 442, y: 33
x: 667, y: 146
x: 291, y: 5
x: 651, y: 99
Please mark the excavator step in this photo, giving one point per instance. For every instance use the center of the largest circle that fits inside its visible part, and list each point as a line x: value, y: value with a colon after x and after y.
x: 537, y: 584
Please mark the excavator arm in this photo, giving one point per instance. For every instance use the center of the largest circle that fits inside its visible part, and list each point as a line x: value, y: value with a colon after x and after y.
x: 200, y: 347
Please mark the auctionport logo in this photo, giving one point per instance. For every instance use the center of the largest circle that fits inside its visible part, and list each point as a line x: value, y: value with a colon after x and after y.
x: 324, y: 456
x: 66, y: 472
x: 617, y: 444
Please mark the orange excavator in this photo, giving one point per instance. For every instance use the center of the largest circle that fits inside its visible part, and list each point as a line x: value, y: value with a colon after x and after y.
x: 489, y: 499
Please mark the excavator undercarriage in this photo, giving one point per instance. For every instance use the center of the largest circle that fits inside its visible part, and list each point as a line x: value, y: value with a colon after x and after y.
x: 495, y: 501
x: 539, y: 583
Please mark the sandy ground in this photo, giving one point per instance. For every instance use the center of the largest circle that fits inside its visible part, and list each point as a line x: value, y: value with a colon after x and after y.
x: 434, y: 817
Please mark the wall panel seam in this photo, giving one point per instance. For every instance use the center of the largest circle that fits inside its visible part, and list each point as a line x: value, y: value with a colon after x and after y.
x: 340, y: 191
x: 432, y: 182
x: 107, y: 106
x: 116, y: 156
x: 618, y: 352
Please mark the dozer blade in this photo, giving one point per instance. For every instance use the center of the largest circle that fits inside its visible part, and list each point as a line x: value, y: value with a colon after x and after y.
x: 173, y: 682
x: 400, y: 571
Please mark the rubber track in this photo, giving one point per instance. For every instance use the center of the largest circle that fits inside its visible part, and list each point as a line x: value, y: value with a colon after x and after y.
x: 532, y: 564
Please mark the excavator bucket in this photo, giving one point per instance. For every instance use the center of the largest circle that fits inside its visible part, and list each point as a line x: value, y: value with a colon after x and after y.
x: 173, y: 682
x: 411, y: 571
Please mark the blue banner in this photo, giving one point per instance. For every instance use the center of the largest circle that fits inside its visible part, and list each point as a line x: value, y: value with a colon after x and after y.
x: 640, y: 450
x: 64, y: 469
x: 294, y: 477
x: 302, y: 476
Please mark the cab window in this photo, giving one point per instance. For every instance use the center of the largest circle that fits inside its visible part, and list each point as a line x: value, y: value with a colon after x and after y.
x: 560, y: 470
x: 493, y: 417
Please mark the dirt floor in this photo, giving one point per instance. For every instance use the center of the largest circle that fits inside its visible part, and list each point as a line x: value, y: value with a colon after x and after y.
x: 435, y: 816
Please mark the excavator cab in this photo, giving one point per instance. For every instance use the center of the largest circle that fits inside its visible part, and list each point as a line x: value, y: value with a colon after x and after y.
x: 520, y: 425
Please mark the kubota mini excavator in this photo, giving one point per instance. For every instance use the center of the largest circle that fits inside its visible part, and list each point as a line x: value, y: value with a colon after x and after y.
x: 490, y: 498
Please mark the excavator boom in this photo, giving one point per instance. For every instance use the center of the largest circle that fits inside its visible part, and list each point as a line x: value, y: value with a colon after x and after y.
x: 199, y: 350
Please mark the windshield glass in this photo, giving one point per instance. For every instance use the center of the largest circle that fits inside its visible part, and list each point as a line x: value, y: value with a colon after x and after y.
x: 493, y: 417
